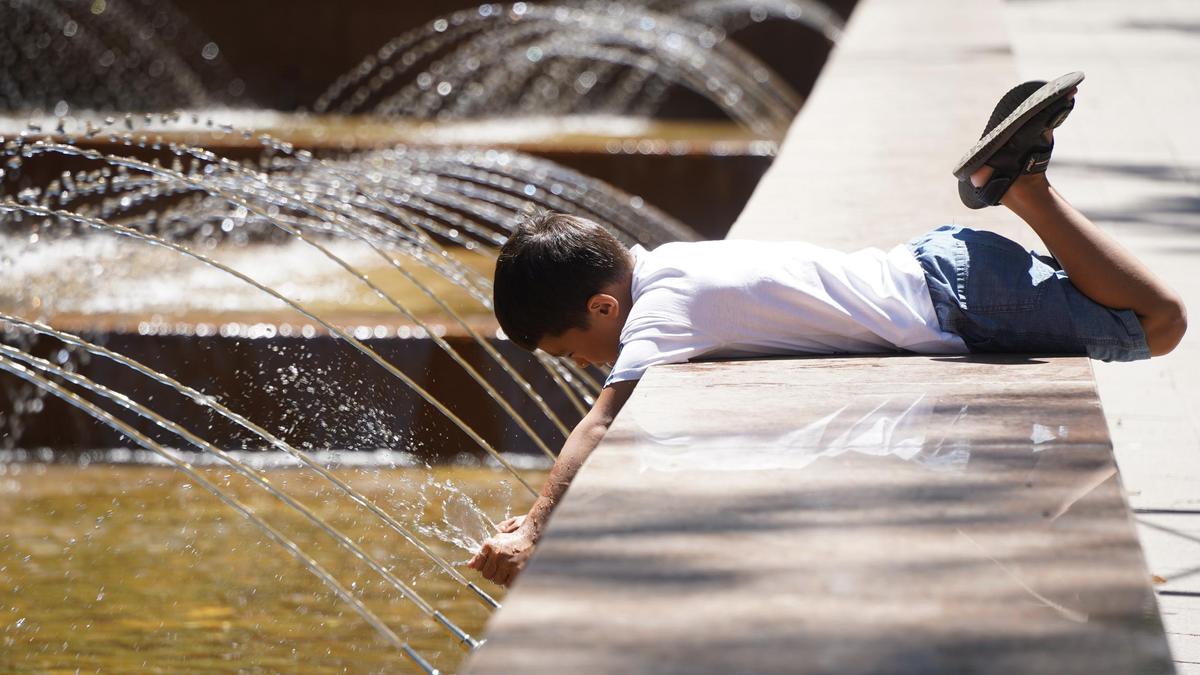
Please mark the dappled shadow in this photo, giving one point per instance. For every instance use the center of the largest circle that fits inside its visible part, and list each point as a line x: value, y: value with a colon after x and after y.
x: 866, y: 578
x: 1159, y: 25
x: 978, y: 647
x: 1178, y: 213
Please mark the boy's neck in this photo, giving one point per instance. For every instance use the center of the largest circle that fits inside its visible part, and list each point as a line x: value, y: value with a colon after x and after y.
x: 622, y: 290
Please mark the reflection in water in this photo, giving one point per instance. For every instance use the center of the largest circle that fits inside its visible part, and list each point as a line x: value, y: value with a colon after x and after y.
x: 900, y: 425
x: 1067, y: 613
x: 921, y: 428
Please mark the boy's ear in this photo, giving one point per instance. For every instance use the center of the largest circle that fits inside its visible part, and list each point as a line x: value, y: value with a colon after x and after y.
x: 603, y: 304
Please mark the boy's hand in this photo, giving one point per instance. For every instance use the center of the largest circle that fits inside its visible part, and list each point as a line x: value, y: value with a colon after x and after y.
x: 503, y: 556
x: 511, y: 524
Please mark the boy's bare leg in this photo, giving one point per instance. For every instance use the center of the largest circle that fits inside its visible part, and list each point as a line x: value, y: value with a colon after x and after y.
x: 1097, y: 264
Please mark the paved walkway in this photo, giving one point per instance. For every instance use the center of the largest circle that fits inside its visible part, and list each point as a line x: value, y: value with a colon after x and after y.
x: 1130, y: 158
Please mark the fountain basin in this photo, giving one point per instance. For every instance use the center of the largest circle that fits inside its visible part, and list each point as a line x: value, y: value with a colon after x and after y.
x: 128, y: 568
x: 701, y: 172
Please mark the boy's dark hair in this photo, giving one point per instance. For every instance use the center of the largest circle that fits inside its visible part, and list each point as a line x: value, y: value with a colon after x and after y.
x: 546, y: 272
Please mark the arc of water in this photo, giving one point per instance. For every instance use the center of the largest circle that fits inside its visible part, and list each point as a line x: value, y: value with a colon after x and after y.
x: 207, y: 156
x: 578, y: 378
x: 523, y: 384
x: 498, y: 176
x: 304, y: 457
x: 555, y: 370
x: 96, y: 223
x: 139, y: 36
x: 330, y: 217
x: 484, y: 183
x: 813, y: 14
x: 778, y: 117
x: 324, y: 216
x: 253, y: 476
x: 744, y: 74
x: 279, y: 538
x: 177, y: 176
x: 516, y: 41
x: 405, y: 45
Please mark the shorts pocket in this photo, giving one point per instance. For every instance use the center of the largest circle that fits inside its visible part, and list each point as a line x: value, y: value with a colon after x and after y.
x: 1001, y: 275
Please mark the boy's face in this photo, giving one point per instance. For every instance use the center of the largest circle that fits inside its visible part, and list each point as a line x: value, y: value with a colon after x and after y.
x: 597, y: 344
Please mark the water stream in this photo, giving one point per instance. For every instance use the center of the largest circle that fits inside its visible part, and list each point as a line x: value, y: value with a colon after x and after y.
x: 120, y: 225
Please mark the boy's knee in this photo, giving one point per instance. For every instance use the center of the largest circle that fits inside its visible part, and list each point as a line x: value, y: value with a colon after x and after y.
x: 1166, y: 327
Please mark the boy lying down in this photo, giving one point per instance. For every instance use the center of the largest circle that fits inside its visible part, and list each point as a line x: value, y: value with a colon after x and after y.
x: 566, y: 286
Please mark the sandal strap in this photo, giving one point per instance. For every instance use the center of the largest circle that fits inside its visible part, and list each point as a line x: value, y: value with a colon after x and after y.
x: 993, y: 190
x: 1037, y: 159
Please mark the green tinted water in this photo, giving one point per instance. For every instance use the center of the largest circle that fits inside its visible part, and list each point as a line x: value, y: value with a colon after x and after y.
x: 133, y: 569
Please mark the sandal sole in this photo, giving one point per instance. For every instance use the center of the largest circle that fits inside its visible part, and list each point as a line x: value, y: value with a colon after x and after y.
x: 1041, y: 99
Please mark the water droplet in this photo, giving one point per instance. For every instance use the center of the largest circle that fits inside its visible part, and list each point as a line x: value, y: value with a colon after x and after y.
x: 98, y: 7
x: 70, y: 28
x: 210, y: 51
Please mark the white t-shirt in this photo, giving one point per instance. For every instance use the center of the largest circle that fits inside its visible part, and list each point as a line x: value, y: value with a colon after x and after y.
x: 735, y: 298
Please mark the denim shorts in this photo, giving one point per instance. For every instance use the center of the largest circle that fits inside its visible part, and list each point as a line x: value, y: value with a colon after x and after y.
x: 998, y: 297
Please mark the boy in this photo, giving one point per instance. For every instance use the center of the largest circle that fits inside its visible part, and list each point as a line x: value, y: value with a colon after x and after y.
x: 566, y: 286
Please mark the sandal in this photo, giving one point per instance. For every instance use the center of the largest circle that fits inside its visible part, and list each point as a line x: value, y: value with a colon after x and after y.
x: 1014, y: 143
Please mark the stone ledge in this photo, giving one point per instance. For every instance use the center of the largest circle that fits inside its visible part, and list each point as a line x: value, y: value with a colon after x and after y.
x: 942, y: 514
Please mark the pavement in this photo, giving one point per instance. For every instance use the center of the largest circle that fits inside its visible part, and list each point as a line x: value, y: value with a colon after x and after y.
x: 1129, y: 157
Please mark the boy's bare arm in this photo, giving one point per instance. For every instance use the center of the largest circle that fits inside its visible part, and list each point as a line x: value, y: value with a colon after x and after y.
x: 502, y: 556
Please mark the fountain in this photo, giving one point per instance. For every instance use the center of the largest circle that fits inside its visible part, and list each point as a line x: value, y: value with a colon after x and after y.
x: 298, y: 326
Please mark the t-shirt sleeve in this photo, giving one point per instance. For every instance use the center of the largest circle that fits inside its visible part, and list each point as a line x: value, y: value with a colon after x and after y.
x: 638, y: 354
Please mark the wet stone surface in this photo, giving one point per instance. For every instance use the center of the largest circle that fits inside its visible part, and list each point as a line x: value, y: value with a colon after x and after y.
x: 938, y: 515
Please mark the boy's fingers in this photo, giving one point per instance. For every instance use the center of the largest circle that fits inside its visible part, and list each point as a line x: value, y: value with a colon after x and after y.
x: 477, y: 561
x: 505, y: 577
x: 489, y: 567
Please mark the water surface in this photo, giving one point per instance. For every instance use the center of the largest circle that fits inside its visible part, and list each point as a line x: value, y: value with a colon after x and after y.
x: 134, y: 569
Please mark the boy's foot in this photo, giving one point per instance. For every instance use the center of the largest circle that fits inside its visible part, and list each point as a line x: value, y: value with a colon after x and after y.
x: 1017, y: 139
x: 984, y: 173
